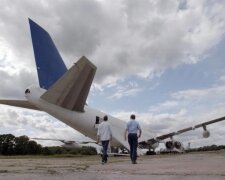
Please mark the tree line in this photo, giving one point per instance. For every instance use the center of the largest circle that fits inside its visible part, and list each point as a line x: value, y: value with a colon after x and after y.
x: 22, y: 145
x: 208, y: 148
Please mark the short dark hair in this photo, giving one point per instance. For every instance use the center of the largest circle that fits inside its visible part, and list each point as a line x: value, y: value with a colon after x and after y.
x: 105, y: 118
x: 132, y: 116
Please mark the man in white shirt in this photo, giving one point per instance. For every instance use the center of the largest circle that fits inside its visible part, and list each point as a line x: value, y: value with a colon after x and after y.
x: 104, y: 135
x: 134, y: 132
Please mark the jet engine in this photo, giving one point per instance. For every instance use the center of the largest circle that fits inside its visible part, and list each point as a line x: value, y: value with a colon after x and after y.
x: 177, y: 144
x: 173, y: 144
x: 206, y: 134
x: 169, y: 145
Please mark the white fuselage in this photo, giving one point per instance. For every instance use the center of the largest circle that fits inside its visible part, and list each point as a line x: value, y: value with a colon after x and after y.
x: 84, y: 122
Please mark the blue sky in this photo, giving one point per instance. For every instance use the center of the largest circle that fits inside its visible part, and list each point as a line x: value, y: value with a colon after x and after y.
x: 138, y: 94
x: 163, y: 60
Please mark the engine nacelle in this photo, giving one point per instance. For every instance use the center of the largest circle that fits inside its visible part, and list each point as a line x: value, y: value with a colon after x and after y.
x: 169, y: 145
x: 206, y: 134
x: 173, y: 144
x: 177, y: 144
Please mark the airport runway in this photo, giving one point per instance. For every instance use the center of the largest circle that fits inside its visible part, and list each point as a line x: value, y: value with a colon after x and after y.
x: 207, y: 166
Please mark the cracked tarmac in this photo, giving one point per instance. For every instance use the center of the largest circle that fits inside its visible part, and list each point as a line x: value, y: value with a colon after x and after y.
x: 190, y: 166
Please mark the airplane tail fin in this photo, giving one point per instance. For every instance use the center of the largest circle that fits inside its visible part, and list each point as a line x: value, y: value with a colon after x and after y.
x: 72, y: 89
x: 50, y: 66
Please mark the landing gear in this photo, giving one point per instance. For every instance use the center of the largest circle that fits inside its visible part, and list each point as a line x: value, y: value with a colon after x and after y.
x: 151, y: 151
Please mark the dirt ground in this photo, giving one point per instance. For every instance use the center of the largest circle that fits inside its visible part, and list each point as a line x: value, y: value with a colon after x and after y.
x: 195, y: 166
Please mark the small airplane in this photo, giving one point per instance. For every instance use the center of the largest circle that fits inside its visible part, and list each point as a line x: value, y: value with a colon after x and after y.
x: 71, y: 144
x: 62, y: 93
x: 68, y: 143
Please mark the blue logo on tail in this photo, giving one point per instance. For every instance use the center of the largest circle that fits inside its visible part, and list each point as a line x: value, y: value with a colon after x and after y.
x: 50, y: 66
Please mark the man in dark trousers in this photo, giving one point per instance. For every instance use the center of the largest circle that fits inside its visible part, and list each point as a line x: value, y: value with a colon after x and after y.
x: 104, y: 135
x: 134, y: 132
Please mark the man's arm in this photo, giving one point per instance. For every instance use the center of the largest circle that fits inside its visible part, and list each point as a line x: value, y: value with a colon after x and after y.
x: 110, y: 133
x: 98, y: 139
x: 125, y: 135
x: 140, y: 131
x: 98, y: 135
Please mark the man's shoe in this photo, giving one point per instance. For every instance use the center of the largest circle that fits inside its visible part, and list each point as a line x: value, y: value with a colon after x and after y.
x: 103, y: 162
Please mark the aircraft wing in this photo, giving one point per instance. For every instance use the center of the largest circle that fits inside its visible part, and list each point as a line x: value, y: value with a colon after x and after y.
x: 19, y: 103
x: 169, y: 135
x: 66, y: 141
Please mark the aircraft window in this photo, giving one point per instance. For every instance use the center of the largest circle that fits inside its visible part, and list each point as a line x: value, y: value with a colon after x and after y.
x: 27, y: 91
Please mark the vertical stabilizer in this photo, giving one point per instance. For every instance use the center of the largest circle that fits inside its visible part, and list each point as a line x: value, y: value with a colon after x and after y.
x: 50, y: 66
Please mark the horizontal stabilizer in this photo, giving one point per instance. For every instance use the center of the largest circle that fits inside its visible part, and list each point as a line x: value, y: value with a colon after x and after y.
x: 72, y: 89
x: 18, y: 103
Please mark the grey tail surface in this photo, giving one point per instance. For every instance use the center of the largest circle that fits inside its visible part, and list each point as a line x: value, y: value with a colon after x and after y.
x: 72, y: 89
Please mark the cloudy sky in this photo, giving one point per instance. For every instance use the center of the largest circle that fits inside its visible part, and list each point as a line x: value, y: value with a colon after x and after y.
x: 163, y: 60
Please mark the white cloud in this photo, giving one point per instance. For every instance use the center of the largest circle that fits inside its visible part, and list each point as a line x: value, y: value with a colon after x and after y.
x: 222, y: 78
x: 122, y: 38
x: 131, y: 89
x: 164, y: 106
x: 181, y: 113
x: 159, y: 124
x: 200, y: 93
x: 124, y: 93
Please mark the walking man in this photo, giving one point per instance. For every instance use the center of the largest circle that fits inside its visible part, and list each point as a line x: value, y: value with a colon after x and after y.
x: 134, y: 132
x: 104, y: 135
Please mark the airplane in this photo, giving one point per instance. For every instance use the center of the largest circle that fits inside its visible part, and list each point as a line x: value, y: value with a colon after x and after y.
x: 72, y: 144
x: 69, y: 143
x: 62, y: 93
